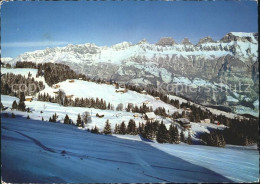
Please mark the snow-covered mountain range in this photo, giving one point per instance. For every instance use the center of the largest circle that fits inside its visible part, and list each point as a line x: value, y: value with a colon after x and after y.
x: 220, y: 66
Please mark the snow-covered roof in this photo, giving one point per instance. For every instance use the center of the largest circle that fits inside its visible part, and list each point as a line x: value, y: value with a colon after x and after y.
x: 28, y: 97
x: 150, y: 115
x: 183, y: 120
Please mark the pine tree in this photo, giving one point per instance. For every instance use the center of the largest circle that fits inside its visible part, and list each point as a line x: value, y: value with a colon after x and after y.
x: 122, y: 129
x: 141, y: 128
x: 148, y: 131
x: 28, y: 117
x: 79, y: 122
x: 13, y: 115
x: 21, y: 106
x: 50, y: 120
x: 95, y: 130
x: 116, y: 130
x: 66, y: 119
x: 42, y: 119
x: 14, y: 105
x: 189, y: 140
x: 162, y: 135
x: 2, y: 107
x: 172, y: 134
x: 107, y: 128
x: 54, y: 117
x: 131, y: 127
x: 182, y: 136
x: 177, y: 137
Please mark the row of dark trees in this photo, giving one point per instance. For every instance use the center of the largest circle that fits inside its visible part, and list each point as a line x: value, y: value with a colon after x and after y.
x: 54, y: 73
x: 77, y: 102
x: 21, y: 105
x: 241, y: 131
x: 13, y: 85
x: 214, y: 138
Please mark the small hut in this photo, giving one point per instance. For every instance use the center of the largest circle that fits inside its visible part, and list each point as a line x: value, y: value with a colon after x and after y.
x: 184, y: 122
x: 100, y: 115
x: 150, y: 116
x: 144, y: 92
x: 28, y: 98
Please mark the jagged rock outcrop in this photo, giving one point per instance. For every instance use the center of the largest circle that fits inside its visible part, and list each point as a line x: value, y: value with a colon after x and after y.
x: 186, y: 41
x: 207, y: 39
x: 166, y: 41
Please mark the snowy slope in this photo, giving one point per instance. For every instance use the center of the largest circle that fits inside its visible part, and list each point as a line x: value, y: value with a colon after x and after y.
x: 35, y: 151
x: 85, y: 89
x: 114, y: 117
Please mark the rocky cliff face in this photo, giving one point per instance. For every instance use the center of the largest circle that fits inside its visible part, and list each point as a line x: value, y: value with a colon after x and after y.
x: 223, y: 72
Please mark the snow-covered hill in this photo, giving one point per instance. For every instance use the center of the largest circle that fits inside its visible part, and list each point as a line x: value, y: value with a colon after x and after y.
x: 41, y: 152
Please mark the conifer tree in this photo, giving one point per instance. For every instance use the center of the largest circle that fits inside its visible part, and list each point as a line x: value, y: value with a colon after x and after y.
x: 177, y: 136
x: 66, y: 119
x: 14, y: 105
x: 116, y: 130
x: 79, y: 122
x: 189, y: 140
x: 107, y: 128
x: 95, y: 130
x: 2, y: 107
x: 182, y: 136
x: 13, y: 115
x: 122, y: 129
x: 172, y: 134
x: 21, y: 106
x: 42, y: 119
x: 54, y: 117
x: 131, y: 127
x: 162, y: 135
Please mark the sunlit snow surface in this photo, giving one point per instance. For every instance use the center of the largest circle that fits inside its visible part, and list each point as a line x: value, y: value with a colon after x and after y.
x: 35, y: 151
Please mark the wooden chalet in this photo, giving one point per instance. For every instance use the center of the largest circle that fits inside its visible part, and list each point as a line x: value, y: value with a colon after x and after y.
x: 149, y: 116
x: 69, y: 96
x: 100, y: 115
x: 71, y: 81
x: 184, y: 122
x: 136, y: 115
x: 144, y: 92
x: 157, y: 98
x: 146, y: 102
x: 28, y: 98
x: 205, y: 121
x: 56, y: 86
x: 122, y: 90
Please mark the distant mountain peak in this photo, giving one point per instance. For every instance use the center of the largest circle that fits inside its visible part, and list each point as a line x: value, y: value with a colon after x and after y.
x: 166, y: 41
x: 143, y: 41
x: 239, y: 36
x: 206, y: 39
x: 186, y: 41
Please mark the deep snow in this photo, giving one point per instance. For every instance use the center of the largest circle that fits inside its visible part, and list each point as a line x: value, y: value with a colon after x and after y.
x: 35, y: 151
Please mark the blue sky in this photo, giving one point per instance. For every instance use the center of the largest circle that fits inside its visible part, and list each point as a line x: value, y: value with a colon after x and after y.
x: 28, y: 26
